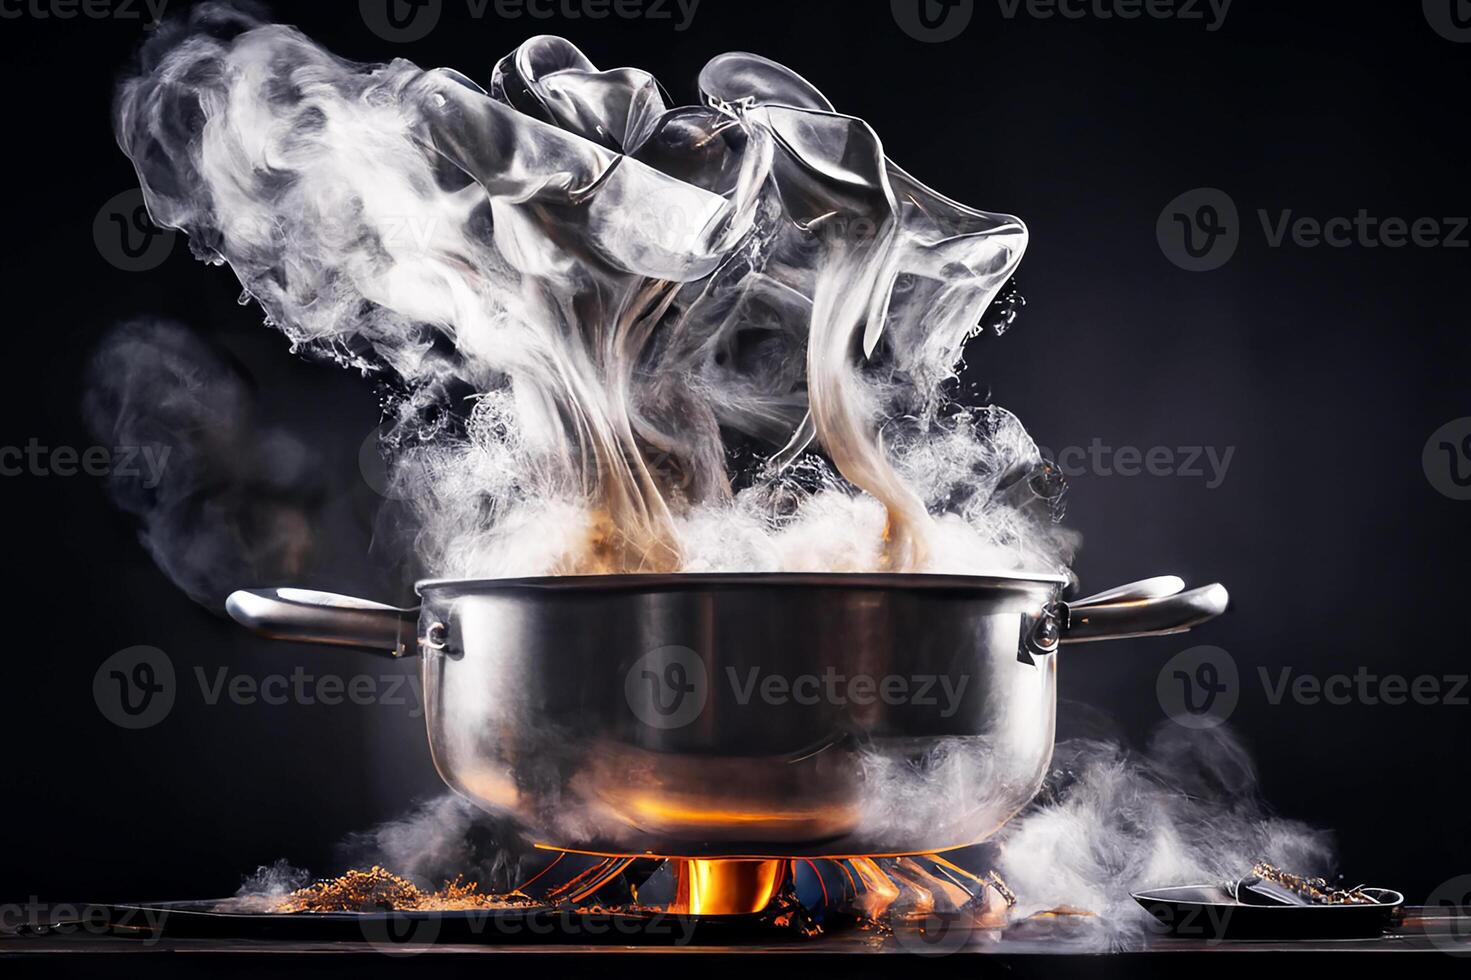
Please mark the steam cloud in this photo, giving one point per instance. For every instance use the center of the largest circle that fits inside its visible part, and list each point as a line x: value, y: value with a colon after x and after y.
x: 440, y: 839
x: 627, y: 337
x: 1185, y: 810
x: 237, y: 501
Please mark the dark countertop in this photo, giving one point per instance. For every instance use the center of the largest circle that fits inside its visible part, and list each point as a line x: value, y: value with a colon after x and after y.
x: 1431, y: 942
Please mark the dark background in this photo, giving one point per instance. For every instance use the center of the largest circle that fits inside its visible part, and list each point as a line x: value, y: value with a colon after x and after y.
x: 1327, y: 369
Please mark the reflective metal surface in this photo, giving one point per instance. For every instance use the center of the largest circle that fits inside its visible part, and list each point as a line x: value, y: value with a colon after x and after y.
x: 739, y: 715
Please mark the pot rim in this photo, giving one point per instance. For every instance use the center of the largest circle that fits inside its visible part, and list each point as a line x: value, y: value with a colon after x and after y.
x: 1019, y: 582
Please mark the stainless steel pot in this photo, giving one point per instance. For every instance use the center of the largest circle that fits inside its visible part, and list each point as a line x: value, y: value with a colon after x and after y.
x: 721, y: 715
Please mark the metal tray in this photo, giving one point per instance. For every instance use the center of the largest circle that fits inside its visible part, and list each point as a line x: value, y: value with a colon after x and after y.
x: 1209, y: 913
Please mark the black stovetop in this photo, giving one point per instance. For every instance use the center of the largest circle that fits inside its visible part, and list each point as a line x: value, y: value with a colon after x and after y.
x: 1429, y: 942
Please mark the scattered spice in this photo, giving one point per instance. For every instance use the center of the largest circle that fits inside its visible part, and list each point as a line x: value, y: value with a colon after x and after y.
x: 380, y: 890
x: 1315, y: 890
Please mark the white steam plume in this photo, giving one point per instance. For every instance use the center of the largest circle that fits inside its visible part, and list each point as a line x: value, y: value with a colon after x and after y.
x: 593, y: 301
x: 1186, y: 810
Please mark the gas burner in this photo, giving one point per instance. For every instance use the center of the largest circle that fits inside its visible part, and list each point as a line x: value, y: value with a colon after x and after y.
x: 803, y: 895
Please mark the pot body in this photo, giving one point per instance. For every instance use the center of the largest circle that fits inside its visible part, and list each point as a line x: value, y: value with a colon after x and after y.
x: 705, y: 716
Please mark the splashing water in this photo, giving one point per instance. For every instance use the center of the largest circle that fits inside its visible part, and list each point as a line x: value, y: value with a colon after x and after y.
x: 593, y: 303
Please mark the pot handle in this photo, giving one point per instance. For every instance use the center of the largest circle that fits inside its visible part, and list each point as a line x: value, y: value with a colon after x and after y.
x: 1153, y: 607
x: 306, y: 616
